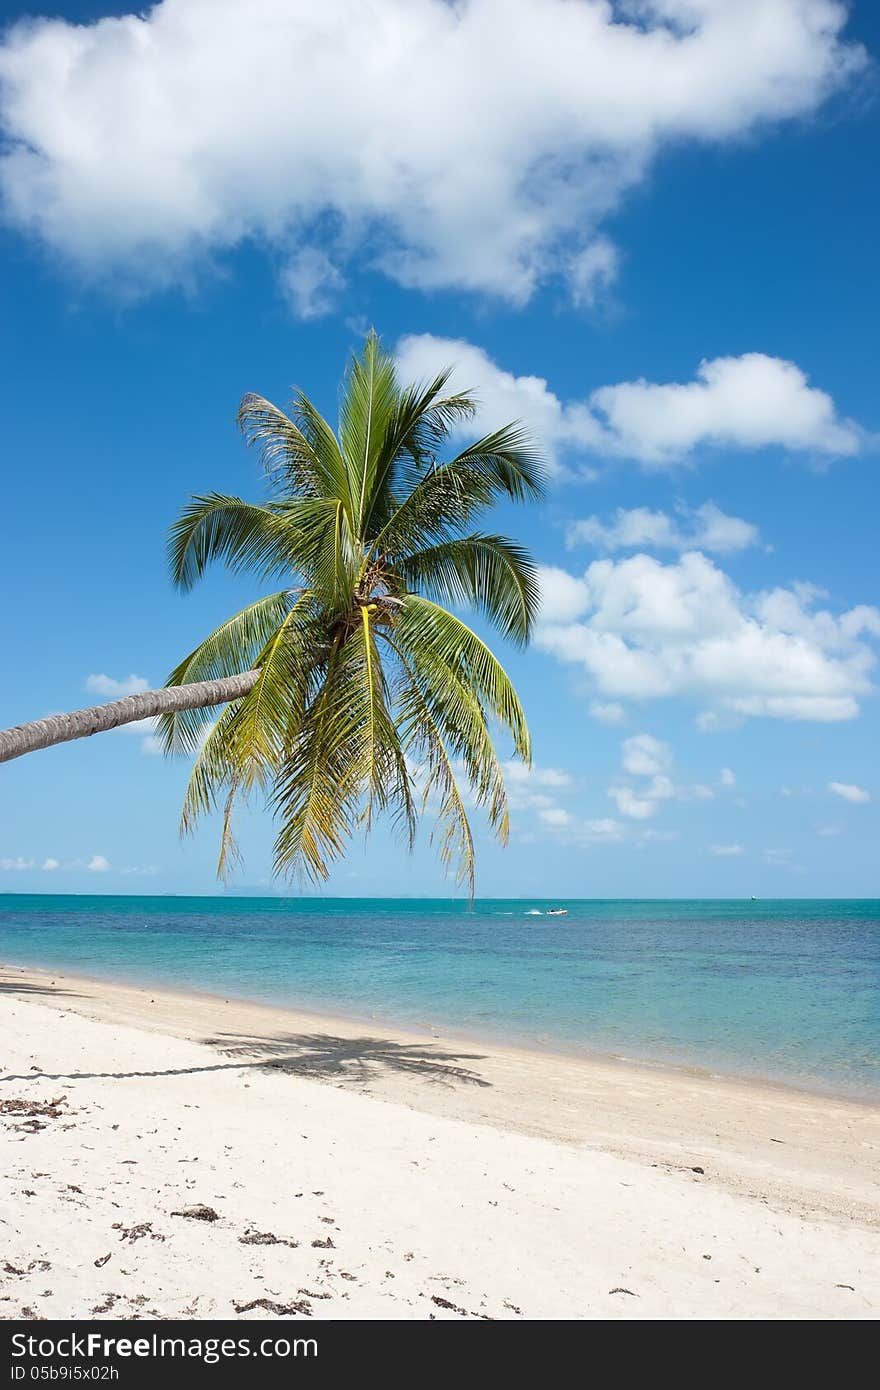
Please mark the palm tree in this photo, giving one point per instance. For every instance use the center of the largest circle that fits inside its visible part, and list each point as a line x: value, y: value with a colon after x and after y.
x: 351, y: 690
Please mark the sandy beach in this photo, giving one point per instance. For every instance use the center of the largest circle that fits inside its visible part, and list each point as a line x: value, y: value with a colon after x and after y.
x: 184, y: 1156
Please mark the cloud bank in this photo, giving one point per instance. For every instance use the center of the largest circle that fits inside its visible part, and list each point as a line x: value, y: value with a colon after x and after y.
x: 744, y: 403
x: 704, y: 528
x: 643, y: 630
x: 475, y: 146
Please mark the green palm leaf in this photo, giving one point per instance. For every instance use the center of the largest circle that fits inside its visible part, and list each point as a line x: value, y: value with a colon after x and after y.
x: 448, y: 497
x: 488, y: 573
x: 423, y: 736
x: 216, y: 527
x: 233, y: 646
x: 431, y: 637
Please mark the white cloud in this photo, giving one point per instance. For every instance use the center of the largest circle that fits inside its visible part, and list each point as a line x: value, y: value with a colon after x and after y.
x: 849, y: 792
x: 728, y: 777
x: 519, y: 774
x: 533, y: 790
x: 708, y: 528
x: 726, y: 851
x: 603, y: 829
x: 607, y: 712
x: 652, y: 836
x: 564, y: 596
x: 829, y: 831
x: 632, y: 805
x: 642, y: 630
x: 592, y: 271
x: 645, y: 756
x: 642, y: 803
x: 485, y: 142
x: 742, y: 403
x: 748, y: 402
x: 697, y: 792
x: 311, y: 283
x: 98, y: 864
x: 106, y: 685
x: 650, y: 761
x: 599, y: 830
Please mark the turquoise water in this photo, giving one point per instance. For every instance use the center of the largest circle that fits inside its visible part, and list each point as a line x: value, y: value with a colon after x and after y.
x: 783, y: 990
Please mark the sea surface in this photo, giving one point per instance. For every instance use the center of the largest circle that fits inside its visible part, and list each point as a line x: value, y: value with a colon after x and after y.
x: 784, y: 990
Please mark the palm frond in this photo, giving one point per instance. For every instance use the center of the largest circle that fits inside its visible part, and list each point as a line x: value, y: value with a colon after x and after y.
x: 384, y: 771
x: 215, y: 526
x: 367, y: 417
x: 247, y: 743
x: 232, y: 647
x: 421, y: 421
x: 325, y: 550
x: 209, y: 775
x: 421, y: 735
x: 299, y: 461
x: 316, y: 796
x: 462, y: 721
x: 429, y: 635
x: 324, y: 447
x: 447, y: 498
x: 488, y: 573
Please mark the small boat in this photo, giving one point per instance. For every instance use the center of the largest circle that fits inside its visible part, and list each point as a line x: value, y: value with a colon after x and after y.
x: 557, y: 911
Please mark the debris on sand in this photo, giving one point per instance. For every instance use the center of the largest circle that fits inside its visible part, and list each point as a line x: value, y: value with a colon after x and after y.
x: 48, y: 1108
x: 34, y: 1264
x: 107, y: 1305
x: 198, y: 1213
x: 444, y: 1303
x: 133, y: 1233
x: 251, y: 1237
x: 281, y: 1310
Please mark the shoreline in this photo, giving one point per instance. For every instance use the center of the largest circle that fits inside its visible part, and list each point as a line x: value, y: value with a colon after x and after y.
x: 345, y: 1170
x: 420, y: 1030
x: 816, y: 1153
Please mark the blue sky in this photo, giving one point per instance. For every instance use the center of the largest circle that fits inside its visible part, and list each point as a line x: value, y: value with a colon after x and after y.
x: 649, y: 231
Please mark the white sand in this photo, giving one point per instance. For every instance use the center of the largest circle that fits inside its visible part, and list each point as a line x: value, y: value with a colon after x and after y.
x: 545, y: 1193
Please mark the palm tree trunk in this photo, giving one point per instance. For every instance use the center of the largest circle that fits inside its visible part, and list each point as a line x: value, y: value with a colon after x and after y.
x: 61, y: 728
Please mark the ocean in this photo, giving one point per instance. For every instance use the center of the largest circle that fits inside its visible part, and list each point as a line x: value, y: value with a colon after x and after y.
x: 783, y: 990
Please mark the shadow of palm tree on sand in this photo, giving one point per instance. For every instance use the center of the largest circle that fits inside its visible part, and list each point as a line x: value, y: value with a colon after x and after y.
x: 29, y: 987
x: 350, y: 1059
x: 322, y: 1056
